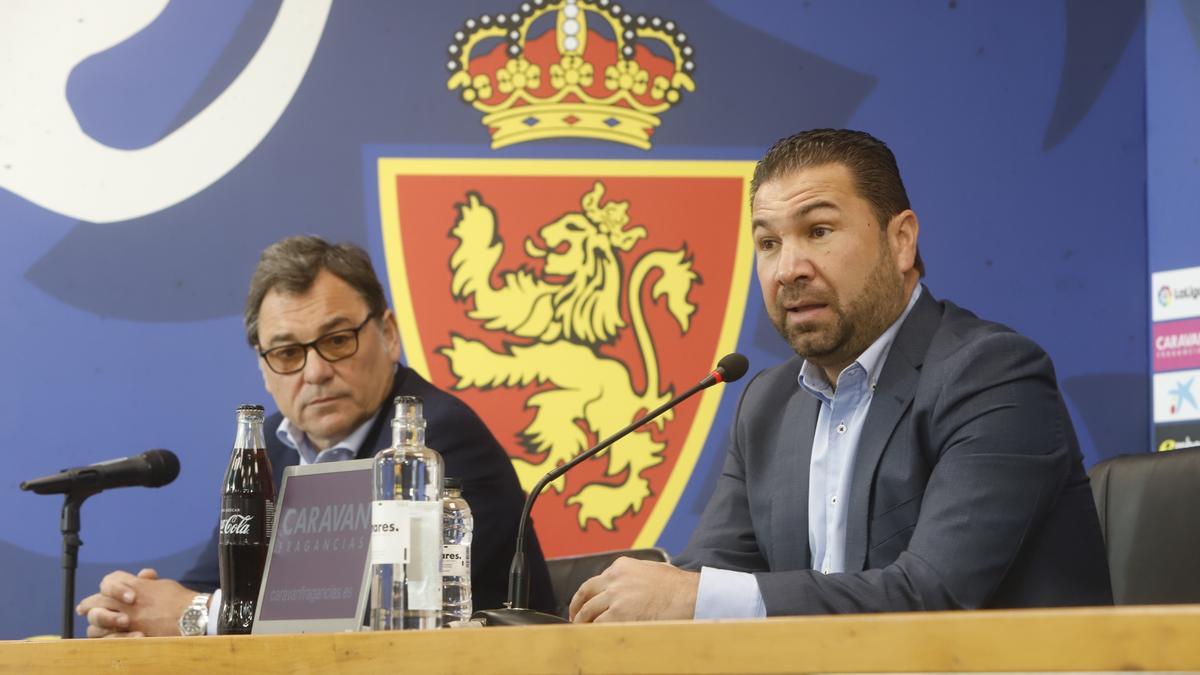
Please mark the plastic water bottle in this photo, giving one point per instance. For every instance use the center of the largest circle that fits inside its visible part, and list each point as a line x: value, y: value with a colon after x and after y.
x: 406, y: 527
x: 457, y: 524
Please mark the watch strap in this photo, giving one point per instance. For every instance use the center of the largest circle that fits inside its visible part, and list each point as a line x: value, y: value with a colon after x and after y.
x: 194, y: 620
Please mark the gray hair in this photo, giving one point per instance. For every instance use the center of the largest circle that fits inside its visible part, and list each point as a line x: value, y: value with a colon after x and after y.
x: 291, y: 266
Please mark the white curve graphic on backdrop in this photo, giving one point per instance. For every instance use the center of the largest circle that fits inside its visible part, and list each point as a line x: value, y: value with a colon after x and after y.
x: 47, y: 158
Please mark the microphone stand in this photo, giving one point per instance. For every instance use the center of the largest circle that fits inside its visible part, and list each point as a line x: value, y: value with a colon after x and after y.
x: 516, y: 610
x: 153, y: 468
x: 70, y: 554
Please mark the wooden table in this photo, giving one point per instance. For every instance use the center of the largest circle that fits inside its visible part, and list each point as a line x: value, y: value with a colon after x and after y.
x: 1126, y: 638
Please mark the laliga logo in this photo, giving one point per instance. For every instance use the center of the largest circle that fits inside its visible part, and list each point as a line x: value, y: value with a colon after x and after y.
x: 1165, y: 296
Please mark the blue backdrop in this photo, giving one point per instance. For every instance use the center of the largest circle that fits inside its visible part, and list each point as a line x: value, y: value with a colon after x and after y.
x: 136, y: 193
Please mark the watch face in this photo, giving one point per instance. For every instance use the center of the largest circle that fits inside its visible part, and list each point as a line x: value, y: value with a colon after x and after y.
x: 189, y: 623
x: 194, y: 620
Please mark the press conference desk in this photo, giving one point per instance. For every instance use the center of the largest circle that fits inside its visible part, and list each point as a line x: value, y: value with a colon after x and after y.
x: 1139, y: 638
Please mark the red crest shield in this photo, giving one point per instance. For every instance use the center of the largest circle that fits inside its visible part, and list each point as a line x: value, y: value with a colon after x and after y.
x: 561, y: 299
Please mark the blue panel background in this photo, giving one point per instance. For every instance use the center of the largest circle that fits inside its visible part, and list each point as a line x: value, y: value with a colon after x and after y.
x: 1172, y: 144
x: 1020, y: 128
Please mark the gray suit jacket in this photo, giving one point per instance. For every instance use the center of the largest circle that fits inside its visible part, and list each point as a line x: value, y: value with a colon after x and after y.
x: 968, y: 488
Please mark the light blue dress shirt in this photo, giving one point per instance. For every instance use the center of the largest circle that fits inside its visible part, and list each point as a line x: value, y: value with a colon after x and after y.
x: 347, y: 448
x: 723, y: 594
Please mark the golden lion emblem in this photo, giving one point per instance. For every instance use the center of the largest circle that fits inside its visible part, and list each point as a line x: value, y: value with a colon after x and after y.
x: 561, y: 318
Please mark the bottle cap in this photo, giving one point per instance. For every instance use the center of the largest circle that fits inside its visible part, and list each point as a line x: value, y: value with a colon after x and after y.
x: 451, y: 483
x: 408, y: 409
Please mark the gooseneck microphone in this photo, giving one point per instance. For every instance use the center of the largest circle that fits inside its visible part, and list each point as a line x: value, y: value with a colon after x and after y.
x: 516, y: 611
x: 154, y: 468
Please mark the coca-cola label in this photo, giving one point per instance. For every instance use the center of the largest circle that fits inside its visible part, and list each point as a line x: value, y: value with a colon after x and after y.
x: 270, y: 519
x: 236, y: 524
x: 246, y: 520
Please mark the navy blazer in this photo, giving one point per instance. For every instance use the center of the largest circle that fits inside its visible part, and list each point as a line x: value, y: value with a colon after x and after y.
x: 471, y: 453
x: 967, y: 491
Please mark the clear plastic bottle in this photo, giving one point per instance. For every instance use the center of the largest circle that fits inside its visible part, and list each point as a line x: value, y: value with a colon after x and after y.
x: 406, y: 527
x: 457, y: 525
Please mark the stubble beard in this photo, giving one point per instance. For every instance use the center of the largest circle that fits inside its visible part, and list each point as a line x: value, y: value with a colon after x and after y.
x: 854, y: 326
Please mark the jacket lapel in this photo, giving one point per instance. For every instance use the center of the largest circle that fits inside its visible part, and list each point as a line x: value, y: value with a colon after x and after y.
x: 893, y: 393
x: 789, y: 508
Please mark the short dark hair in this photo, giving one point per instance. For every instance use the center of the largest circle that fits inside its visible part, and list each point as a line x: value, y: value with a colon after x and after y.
x: 291, y: 266
x: 869, y: 160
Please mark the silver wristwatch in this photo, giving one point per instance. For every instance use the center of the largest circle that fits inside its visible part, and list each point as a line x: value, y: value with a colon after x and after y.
x: 194, y: 620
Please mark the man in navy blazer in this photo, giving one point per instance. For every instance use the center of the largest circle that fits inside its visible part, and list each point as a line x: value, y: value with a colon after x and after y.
x: 470, y: 453
x: 911, y: 457
x: 328, y: 350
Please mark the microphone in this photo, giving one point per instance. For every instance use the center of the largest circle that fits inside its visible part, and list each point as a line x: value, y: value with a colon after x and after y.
x: 154, y: 468
x: 516, y: 611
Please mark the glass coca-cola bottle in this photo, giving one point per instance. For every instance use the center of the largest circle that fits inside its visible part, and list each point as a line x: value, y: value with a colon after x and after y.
x: 247, y: 514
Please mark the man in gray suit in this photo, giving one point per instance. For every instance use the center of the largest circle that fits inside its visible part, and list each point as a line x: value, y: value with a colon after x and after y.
x: 911, y: 457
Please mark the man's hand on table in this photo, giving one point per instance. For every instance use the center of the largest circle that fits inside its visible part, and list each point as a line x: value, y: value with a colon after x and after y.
x: 135, y: 606
x: 636, y: 590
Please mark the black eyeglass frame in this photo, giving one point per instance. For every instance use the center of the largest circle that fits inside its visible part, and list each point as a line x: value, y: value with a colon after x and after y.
x: 313, y: 345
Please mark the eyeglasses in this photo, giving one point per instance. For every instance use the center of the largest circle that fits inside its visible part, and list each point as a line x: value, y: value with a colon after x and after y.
x: 335, y: 346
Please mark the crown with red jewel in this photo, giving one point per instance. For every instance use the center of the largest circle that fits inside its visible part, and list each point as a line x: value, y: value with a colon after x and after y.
x: 571, y: 69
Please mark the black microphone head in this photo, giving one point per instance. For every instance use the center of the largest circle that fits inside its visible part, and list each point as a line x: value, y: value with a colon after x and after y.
x: 164, y: 467
x: 733, y: 366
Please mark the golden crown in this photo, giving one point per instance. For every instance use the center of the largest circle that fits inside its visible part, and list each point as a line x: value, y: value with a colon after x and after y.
x: 599, y: 71
x: 611, y: 218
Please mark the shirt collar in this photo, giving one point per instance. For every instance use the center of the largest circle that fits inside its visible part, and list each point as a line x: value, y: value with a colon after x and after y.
x: 297, y: 440
x: 812, y: 378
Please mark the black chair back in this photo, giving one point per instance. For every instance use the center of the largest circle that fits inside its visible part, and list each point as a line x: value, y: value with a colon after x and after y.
x: 1149, y: 508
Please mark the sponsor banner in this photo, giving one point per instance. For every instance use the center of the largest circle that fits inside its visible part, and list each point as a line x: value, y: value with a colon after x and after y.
x: 1176, y: 294
x: 1176, y: 345
x: 1176, y: 396
x: 1176, y: 437
x: 321, y: 545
